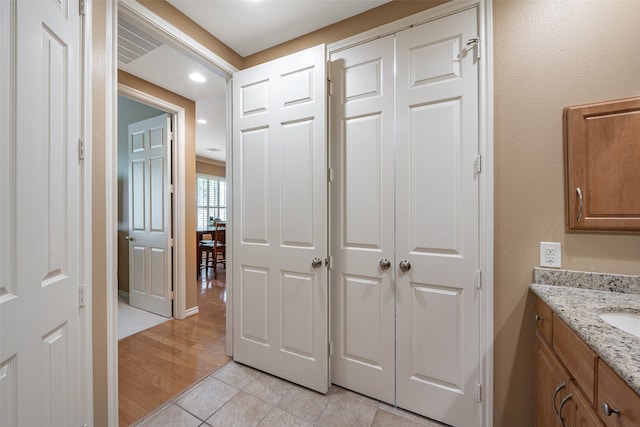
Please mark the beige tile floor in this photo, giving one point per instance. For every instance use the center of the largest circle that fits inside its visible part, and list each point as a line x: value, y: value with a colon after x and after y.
x: 237, y: 395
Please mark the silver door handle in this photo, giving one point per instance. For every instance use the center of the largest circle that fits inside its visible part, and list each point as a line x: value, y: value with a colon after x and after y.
x: 405, y: 265
x: 316, y: 263
x: 385, y: 264
x: 129, y: 238
x: 567, y: 398
x: 580, y: 203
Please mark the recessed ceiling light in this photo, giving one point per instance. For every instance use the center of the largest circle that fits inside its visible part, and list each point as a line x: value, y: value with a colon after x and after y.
x: 214, y: 149
x: 202, y: 121
x: 197, y: 77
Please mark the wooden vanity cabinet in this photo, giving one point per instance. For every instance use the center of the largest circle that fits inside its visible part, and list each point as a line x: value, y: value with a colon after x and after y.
x: 618, y: 396
x: 568, y: 371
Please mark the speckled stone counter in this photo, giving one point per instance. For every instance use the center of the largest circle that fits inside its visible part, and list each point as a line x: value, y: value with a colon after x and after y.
x: 579, y: 309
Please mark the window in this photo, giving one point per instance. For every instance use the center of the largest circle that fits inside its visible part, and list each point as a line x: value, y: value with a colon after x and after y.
x: 211, y: 196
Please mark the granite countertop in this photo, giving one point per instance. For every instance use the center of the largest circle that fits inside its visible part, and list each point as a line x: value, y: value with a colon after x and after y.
x: 579, y: 309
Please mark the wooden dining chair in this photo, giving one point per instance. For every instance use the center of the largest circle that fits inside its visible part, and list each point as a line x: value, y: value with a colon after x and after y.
x: 219, y: 247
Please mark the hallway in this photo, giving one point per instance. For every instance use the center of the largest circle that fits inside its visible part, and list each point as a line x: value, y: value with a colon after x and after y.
x: 157, y: 364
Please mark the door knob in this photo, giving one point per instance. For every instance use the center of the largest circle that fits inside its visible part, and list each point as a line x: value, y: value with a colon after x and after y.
x: 385, y: 264
x: 405, y: 265
x: 316, y: 263
x: 129, y: 238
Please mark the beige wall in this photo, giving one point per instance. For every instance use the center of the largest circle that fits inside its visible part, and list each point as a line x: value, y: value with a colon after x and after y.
x: 210, y: 169
x: 547, y: 55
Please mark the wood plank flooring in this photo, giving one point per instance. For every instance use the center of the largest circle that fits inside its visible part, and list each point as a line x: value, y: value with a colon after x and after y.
x: 159, y: 363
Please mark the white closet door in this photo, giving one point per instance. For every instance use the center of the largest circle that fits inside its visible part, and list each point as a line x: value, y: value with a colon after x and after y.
x: 437, y: 220
x: 41, y: 254
x: 362, y: 201
x: 280, y: 218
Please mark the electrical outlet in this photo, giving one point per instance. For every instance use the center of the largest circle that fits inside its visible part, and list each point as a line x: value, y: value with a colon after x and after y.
x: 550, y: 254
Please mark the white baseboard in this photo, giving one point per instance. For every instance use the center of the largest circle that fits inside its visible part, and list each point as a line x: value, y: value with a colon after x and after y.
x: 192, y: 311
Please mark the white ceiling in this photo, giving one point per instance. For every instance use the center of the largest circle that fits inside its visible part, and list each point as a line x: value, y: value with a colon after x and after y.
x: 247, y: 27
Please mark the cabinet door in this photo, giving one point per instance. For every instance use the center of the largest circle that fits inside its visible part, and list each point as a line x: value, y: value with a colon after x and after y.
x: 603, y: 178
x: 582, y: 413
x: 552, y: 385
x: 619, y: 397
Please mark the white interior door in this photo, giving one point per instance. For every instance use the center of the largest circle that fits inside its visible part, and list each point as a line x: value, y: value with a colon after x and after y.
x: 150, y: 215
x: 280, y: 218
x: 41, y: 365
x: 362, y: 219
x: 437, y: 220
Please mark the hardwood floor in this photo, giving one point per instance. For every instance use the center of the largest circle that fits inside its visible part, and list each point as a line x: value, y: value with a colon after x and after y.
x: 159, y: 363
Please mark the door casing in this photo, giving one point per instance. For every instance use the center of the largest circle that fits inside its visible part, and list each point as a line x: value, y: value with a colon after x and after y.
x: 146, y: 18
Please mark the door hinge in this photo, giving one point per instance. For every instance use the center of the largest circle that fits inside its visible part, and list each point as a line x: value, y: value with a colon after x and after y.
x: 170, y: 135
x: 81, y: 149
x: 171, y: 242
x: 83, y: 7
x: 474, y: 43
x: 478, y: 279
x: 329, y: 87
x: 477, y: 165
x: 171, y: 189
x: 330, y: 349
x: 170, y: 295
x: 330, y: 174
x: 82, y: 295
x: 479, y: 393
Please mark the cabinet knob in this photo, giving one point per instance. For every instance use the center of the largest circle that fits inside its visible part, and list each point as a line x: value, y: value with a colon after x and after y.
x: 608, y: 410
x: 539, y: 318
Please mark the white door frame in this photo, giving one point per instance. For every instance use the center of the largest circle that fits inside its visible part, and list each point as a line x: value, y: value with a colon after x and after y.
x: 178, y: 213
x: 485, y: 110
x: 146, y: 19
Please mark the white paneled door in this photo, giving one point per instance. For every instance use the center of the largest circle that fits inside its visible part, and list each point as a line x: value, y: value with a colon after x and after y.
x: 280, y: 218
x: 404, y: 152
x: 362, y: 219
x: 41, y: 254
x: 150, y: 215
x: 437, y: 232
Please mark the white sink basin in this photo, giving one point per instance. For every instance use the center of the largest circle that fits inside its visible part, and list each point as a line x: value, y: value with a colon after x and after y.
x: 628, y: 322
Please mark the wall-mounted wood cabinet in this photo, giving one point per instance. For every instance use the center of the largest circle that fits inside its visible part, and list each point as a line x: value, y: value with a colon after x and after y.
x: 602, y: 154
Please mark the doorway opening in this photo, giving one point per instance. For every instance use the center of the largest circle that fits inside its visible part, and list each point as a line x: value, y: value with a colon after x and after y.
x: 193, y: 342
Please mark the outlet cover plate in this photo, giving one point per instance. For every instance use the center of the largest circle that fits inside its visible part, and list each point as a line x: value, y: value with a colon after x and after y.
x: 550, y: 254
